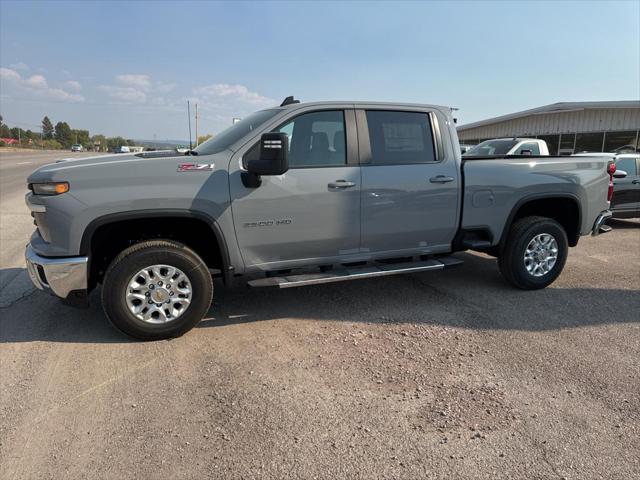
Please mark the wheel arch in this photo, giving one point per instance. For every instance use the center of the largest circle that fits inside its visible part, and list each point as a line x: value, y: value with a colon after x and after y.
x: 87, y: 242
x: 565, y: 208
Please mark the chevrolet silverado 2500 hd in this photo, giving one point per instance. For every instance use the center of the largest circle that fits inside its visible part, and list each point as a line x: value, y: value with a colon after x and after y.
x: 301, y: 194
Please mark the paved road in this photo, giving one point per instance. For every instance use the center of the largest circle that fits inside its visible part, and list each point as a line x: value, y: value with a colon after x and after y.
x: 438, y: 375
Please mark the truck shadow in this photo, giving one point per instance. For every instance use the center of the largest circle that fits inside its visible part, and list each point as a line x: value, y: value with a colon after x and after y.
x: 619, y: 223
x: 472, y: 296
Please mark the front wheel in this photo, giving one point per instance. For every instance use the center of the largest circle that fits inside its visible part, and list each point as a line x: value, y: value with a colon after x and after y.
x: 534, y: 254
x: 156, y: 289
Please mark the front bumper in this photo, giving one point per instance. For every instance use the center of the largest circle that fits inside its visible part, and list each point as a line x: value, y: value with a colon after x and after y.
x: 66, y: 278
x: 599, y: 225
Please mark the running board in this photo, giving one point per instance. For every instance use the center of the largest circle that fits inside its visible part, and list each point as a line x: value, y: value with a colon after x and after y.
x: 354, y: 273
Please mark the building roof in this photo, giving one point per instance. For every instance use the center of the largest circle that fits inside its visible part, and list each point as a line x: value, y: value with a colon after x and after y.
x: 554, y: 108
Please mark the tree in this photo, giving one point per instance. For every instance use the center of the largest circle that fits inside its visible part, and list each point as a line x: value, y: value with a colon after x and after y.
x: 81, y: 137
x: 51, y: 145
x: 47, y: 128
x: 5, y: 132
x: 203, y: 138
x: 63, y: 134
x: 99, y: 142
x: 17, y: 133
x: 115, y: 142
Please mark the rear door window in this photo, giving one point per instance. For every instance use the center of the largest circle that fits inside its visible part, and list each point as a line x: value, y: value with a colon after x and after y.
x: 400, y: 138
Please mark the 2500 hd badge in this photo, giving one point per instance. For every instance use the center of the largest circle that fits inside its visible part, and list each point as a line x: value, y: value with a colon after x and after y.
x: 267, y: 223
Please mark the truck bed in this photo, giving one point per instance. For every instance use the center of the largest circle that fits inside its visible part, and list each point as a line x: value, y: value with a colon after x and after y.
x: 495, y: 186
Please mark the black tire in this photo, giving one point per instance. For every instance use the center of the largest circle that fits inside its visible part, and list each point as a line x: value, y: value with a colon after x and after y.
x: 145, y: 254
x: 511, y: 259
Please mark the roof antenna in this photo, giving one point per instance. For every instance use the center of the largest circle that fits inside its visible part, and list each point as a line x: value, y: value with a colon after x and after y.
x: 189, y: 115
x: 289, y: 101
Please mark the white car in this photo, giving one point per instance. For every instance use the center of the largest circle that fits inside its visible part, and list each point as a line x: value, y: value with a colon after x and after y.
x: 509, y: 146
x: 76, y: 147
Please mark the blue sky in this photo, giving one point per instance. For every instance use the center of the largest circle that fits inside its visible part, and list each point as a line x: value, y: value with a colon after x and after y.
x: 127, y: 68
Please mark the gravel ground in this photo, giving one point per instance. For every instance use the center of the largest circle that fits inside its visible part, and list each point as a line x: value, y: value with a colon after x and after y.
x: 438, y: 375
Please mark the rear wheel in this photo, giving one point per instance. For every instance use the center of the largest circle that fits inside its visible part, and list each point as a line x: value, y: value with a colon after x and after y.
x: 534, y: 254
x: 156, y: 289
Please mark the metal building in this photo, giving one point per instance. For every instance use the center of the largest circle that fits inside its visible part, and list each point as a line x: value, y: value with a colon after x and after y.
x: 567, y: 127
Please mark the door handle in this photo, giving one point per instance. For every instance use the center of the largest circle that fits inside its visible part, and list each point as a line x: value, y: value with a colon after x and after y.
x: 636, y: 181
x: 441, y: 179
x: 341, y: 184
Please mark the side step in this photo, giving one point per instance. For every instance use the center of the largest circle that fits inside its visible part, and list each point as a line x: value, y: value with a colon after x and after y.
x: 344, y: 274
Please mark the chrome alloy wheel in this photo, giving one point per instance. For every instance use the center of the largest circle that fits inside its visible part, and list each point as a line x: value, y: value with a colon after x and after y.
x: 541, y: 254
x: 158, y: 294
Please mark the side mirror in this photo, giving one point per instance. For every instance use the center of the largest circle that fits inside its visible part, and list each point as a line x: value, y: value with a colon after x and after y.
x: 526, y: 152
x: 619, y: 174
x: 274, y: 160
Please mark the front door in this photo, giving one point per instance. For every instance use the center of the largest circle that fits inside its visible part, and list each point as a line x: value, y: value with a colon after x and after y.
x: 409, y: 185
x: 311, y: 213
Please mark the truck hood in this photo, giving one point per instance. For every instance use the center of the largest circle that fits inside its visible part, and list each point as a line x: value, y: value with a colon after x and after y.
x: 88, y: 167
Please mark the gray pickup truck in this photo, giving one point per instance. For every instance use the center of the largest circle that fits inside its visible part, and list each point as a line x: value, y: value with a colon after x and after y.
x: 301, y: 194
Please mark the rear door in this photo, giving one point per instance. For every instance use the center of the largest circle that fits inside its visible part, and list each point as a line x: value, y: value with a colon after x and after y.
x: 410, y: 183
x: 626, y: 191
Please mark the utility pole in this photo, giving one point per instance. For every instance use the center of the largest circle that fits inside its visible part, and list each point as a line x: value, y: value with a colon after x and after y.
x: 196, y: 124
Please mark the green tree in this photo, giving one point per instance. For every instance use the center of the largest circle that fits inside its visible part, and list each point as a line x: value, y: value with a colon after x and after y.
x: 203, y: 138
x: 114, y: 142
x: 51, y: 145
x: 32, y: 135
x: 81, y: 137
x: 5, y: 132
x: 18, y: 133
x: 63, y: 134
x: 99, y: 142
x: 47, y: 128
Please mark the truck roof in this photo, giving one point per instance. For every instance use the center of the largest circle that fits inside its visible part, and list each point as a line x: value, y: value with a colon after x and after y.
x: 363, y: 104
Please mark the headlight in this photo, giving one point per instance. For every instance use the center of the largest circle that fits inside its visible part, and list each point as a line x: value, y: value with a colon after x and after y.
x: 49, y: 188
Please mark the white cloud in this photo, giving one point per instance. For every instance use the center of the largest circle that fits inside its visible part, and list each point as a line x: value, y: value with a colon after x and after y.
x: 19, y: 66
x: 63, y: 96
x: 139, y: 81
x: 138, y: 88
x: 124, y: 94
x: 36, y: 86
x: 36, y: 81
x: 9, y: 75
x: 73, y: 85
x: 238, y: 93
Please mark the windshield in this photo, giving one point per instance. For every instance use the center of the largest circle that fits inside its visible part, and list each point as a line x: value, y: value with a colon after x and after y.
x: 235, y: 132
x: 491, y: 147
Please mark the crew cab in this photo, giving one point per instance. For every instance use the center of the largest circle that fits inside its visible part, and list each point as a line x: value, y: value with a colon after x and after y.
x: 301, y: 194
x: 509, y: 146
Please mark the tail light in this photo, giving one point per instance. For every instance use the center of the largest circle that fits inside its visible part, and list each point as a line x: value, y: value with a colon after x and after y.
x: 611, y: 168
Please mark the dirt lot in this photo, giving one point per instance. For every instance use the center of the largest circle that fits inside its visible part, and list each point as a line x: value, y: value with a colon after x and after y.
x: 450, y: 375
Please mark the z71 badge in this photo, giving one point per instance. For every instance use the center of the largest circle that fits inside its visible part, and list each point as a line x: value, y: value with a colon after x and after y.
x: 196, y: 167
